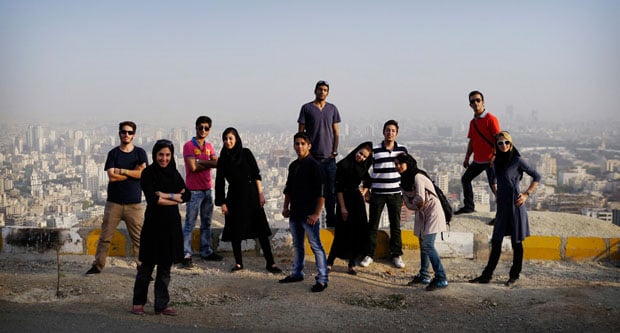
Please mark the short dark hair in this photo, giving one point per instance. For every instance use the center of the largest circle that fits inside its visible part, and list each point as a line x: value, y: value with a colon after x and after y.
x: 127, y: 123
x: 202, y: 120
x: 390, y: 122
x: 304, y: 136
x: 321, y: 83
x: 475, y: 92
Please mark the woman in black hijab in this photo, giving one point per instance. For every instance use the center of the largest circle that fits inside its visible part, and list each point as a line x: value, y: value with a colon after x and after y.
x: 161, y: 240
x: 242, y: 206
x: 351, y: 218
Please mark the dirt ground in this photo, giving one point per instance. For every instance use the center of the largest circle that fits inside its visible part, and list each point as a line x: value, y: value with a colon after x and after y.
x: 550, y: 296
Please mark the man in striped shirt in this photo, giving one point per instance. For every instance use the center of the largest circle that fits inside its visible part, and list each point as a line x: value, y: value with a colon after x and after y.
x: 385, y: 191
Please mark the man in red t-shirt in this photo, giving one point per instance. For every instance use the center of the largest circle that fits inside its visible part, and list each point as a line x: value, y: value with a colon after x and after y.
x: 481, y: 135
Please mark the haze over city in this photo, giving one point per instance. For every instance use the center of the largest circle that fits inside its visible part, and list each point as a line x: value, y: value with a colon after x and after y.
x: 240, y: 62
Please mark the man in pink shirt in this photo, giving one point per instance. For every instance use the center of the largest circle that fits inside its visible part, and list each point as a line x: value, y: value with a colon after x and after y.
x: 482, y: 130
x: 200, y: 158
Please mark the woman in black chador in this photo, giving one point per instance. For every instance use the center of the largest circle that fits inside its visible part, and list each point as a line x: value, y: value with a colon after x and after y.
x: 242, y: 206
x: 351, y: 218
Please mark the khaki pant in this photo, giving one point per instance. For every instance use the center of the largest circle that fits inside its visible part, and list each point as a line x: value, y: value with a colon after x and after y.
x: 113, y: 213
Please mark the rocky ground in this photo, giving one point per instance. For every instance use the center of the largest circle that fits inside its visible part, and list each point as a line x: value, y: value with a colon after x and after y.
x: 550, y: 296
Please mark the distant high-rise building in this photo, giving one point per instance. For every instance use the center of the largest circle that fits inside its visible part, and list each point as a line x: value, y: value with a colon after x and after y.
x: 36, y: 186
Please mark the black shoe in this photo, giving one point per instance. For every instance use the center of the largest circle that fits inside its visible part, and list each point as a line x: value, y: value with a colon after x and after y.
x: 92, y: 271
x: 318, y: 287
x: 237, y: 267
x: 511, y: 282
x: 464, y: 210
x: 213, y: 257
x: 273, y: 269
x: 480, y: 279
x: 492, y: 222
x: 187, y: 263
x: 291, y: 278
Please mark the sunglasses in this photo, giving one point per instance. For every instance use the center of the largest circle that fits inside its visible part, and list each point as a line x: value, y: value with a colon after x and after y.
x: 123, y: 132
x: 203, y: 128
x: 503, y: 143
x: 475, y: 100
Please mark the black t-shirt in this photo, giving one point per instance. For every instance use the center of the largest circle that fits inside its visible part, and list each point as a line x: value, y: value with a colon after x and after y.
x: 127, y: 191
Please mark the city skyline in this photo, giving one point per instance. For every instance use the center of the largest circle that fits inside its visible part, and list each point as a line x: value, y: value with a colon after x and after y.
x: 165, y: 63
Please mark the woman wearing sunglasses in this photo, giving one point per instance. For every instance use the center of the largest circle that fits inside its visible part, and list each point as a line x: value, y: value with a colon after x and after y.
x: 511, y: 217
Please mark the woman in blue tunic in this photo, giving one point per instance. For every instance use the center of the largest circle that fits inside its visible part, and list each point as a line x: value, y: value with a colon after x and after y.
x: 511, y: 217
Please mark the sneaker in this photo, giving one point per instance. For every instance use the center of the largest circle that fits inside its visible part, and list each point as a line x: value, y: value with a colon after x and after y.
x: 212, y: 257
x: 464, y: 210
x: 187, y: 263
x: 398, y: 262
x: 366, y: 261
x: 419, y: 279
x: 137, y: 309
x: 436, y: 284
x: 480, y: 279
x: 318, y: 287
x: 92, y: 271
x: 290, y: 279
x: 511, y: 282
x: 167, y: 312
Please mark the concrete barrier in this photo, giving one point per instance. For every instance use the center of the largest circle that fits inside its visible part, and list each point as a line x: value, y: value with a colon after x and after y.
x: 454, y: 244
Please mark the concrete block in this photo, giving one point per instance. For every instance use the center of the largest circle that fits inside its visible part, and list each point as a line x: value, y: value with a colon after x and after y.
x: 542, y: 247
x: 585, y: 248
x: 117, y: 244
x: 23, y: 240
x: 282, y: 242
x: 455, y: 245
x: 614, y: 248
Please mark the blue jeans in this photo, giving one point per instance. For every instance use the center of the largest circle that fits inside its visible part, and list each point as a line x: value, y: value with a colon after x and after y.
x: 299, y: 227
x: 329, y: 169
x: 428, y: 253
x: 472, y: 172
x: 201, y: 201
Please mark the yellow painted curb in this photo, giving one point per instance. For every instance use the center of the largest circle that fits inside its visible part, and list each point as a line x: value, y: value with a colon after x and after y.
x: 383, y: 244
x: 117, y: 244
x: 614, y: 248
x: 410, y: 240
x: 327, y: 238
x: 585, y: 248
x: 542, y: 247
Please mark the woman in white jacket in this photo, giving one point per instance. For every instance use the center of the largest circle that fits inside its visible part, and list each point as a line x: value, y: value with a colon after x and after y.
x: 419, y: 195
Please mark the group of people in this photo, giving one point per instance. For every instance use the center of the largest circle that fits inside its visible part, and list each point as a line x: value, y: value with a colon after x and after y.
x: 314, y: 182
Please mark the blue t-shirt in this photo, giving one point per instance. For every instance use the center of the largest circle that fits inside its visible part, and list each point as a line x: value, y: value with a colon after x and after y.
x: 127, y: 191
x: 319, y: 127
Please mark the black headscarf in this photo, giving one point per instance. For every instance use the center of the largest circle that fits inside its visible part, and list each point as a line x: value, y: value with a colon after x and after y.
x: 234, y: 154
x: 171, y: 169
x: 407, y: 178
x: 349, y: 160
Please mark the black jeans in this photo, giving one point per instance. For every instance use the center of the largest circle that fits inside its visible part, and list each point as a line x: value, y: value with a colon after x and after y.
x: 394, y: 203
x: 496, y: 251
x: 162, y: 280
x: 472, y: 172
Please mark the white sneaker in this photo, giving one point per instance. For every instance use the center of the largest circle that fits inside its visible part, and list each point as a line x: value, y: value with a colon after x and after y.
x: 366, y: 261
x: 398, y: 262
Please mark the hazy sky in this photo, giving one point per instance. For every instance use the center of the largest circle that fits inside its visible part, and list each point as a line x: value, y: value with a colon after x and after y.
x: 166, y: 62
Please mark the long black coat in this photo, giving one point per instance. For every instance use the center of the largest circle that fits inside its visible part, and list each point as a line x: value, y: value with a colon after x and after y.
x: 246, y: 218
x: 161, y: 240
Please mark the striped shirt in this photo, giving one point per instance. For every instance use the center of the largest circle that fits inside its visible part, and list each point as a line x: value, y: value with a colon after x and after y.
x: 384, y: 177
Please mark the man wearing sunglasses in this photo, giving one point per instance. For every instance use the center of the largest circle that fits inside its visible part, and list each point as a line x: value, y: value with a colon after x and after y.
x: 124, y: 166
x: 482, y: 130
x: 200, y: 157
x: 319, y: 119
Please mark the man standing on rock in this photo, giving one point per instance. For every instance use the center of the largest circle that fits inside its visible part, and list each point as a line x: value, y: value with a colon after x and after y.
x: 124, y: 166
x: 482, y: 130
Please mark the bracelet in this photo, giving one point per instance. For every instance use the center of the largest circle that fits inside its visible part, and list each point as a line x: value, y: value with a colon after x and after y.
x: 171, y: 196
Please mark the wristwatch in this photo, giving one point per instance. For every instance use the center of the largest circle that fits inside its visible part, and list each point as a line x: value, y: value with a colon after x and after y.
x: 197, y: 161
x: 335, y: 153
